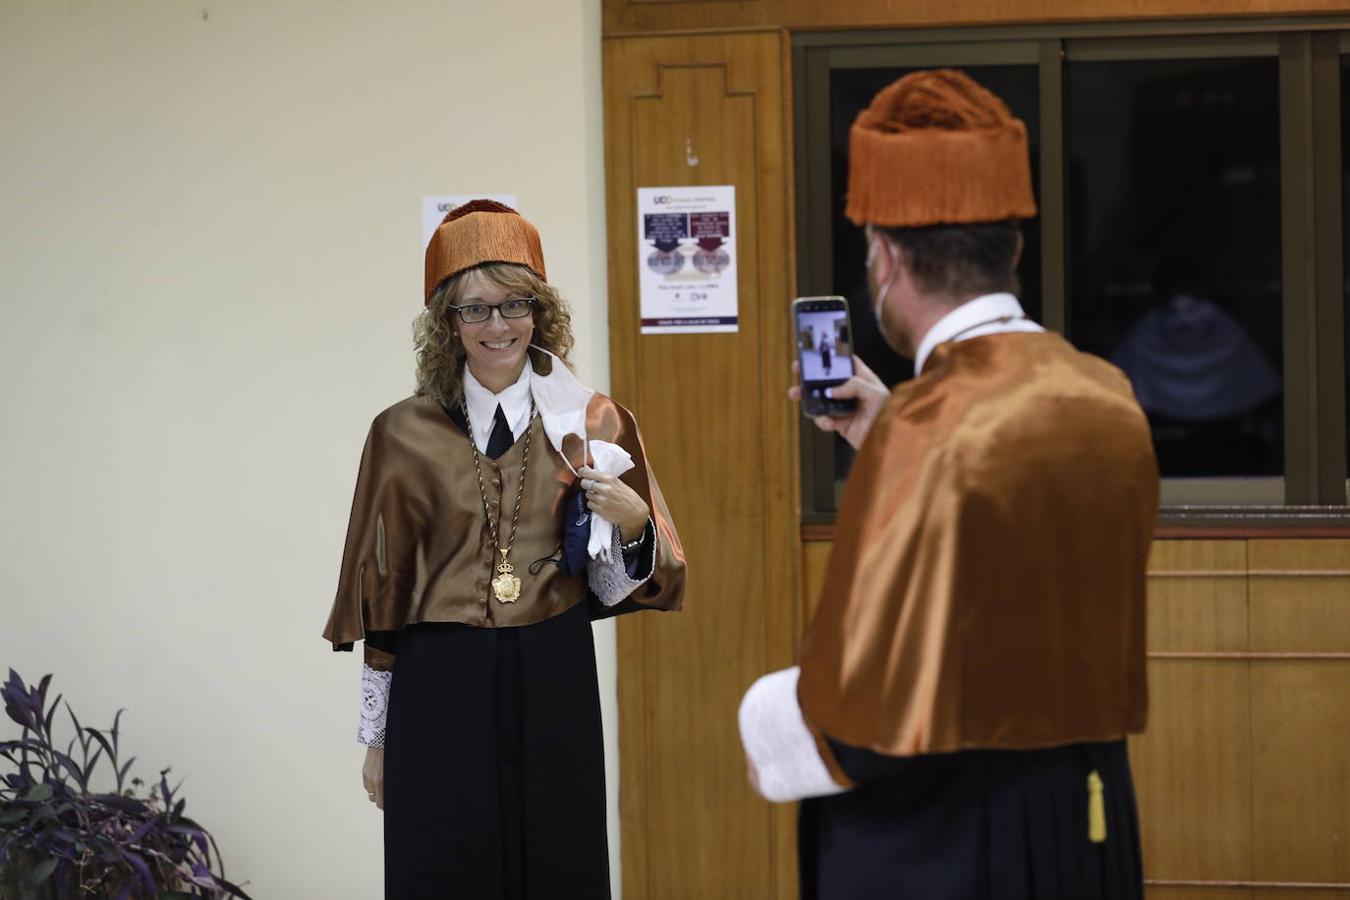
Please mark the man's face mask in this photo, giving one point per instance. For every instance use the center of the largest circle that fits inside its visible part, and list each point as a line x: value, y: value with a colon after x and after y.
x: 874, y: 246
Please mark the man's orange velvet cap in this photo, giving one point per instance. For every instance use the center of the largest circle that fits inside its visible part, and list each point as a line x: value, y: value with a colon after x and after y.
x: 935, y: 148
x: 481, y: 231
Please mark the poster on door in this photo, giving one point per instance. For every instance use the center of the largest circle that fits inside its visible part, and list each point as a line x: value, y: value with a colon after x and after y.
x: 687, y: 259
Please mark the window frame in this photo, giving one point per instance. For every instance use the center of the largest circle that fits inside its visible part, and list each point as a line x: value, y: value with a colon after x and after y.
x: 1314, y: 486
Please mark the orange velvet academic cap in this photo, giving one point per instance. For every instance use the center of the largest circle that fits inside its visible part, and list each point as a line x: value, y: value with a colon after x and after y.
x: 936, y: 148
x: 481, y: 231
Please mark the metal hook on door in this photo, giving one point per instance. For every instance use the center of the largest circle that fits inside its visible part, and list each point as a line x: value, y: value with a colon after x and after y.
x: 689, y: 156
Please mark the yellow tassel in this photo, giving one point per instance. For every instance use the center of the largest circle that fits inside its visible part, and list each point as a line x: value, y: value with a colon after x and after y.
x: 1096, y: 809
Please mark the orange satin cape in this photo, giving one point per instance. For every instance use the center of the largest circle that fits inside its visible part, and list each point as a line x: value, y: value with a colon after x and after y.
x: 986, y: 584
x: 417, y: 545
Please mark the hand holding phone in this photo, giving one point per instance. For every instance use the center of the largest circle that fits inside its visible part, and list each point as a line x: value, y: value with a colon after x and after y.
x: 824, y: 342
x: 866, y: 389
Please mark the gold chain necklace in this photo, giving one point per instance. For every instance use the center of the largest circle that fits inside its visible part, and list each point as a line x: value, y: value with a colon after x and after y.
x: 506, y: 586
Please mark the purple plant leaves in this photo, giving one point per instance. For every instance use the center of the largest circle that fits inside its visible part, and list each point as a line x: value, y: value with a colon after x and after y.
x: 103, y: 742
x: 72, y: 767
x: 142, y: 870
x: 112, y: 844
x: 38, y: 793
x: 38, y: 875
x: 123, y: 804
x: 17, y: 705
x: 122, y: 772
x: 51, y: 715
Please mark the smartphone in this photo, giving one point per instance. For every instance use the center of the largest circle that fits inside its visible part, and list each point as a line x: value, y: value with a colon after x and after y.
x: 824, y: 340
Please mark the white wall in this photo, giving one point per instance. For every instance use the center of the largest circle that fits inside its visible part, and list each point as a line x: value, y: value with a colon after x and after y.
x: 209, y: 262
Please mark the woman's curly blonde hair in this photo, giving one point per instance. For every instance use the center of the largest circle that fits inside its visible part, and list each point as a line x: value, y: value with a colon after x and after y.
x: 440, y: 352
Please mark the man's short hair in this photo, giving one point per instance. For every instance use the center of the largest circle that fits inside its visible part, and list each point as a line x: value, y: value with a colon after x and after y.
x: 961, y: 260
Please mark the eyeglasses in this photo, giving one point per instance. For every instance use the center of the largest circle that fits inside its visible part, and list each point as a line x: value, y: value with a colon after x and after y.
x: 515, y: 308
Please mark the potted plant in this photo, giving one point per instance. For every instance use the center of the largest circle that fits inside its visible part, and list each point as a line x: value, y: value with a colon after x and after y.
x: 61, y: 837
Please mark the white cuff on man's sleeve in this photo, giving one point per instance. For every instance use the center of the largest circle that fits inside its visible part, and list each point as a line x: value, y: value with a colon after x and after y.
x: 778, y: 745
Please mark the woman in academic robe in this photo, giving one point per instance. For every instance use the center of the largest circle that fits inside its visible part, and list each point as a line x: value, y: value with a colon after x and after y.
x: 497, y: 512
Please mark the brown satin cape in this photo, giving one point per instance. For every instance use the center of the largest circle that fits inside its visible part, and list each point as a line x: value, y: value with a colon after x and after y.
x: 417, y: 545
x: 986, y: 584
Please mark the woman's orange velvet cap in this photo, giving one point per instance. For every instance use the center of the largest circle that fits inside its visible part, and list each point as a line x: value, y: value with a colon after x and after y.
x: 481, y: 231
x: 935, y: 148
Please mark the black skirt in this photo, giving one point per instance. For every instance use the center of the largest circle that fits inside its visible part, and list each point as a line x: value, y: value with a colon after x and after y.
x: 494, y: 764
x: 975, y: 825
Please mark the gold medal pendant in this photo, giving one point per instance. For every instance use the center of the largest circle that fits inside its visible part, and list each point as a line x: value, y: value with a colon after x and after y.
x: 506, y: 586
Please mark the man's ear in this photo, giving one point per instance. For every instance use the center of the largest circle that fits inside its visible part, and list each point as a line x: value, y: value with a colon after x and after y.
x: 892, y: 254
x: 1017, y: 250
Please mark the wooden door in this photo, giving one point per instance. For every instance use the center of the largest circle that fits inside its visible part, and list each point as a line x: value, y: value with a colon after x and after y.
x: 706, y: 110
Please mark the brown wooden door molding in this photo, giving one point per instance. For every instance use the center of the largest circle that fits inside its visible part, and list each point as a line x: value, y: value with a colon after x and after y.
x: 722, y: 441
x: 647, y: 17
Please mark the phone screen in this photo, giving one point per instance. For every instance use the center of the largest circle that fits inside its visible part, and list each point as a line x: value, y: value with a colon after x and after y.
x: 824, y: 343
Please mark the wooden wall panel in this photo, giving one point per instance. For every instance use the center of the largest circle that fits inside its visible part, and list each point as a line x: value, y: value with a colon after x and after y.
x: 643, y: 16
x: 1197, y: 596
x: 1301, y: 771
x: 719, y: 431
x: 1300, y: 595
x: 1193, y: 824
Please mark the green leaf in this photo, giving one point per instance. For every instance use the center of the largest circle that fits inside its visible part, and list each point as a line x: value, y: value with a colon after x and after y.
x: 38, y: 875
x: 38, y: 793
x: 11, y: 817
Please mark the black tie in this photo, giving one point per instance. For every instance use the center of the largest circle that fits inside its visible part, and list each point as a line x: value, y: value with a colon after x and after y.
x: 501, y: 439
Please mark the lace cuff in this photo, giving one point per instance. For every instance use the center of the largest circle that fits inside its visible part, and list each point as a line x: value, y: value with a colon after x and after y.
x: 611, y: 581
x: 374, y: 705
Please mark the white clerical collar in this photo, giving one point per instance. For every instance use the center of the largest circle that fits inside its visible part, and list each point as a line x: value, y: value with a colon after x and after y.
x: 482, y: 403
x: 990, y: 314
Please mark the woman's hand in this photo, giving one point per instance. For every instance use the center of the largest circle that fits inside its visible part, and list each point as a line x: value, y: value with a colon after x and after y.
x: 372, y: 775
x: 607, y: 496
x: 865, y: 387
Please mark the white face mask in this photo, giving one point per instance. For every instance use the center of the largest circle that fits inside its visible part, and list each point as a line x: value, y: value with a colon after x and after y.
x: 561, y: 400
x: 872, y: 246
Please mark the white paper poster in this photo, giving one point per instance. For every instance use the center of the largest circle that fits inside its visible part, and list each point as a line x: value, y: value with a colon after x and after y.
x: 687, y: 259
x: 435, y: 208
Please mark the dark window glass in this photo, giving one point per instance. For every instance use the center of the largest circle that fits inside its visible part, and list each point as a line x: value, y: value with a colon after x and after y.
x: 1345, y: 232
x: 851, y: 90
x: 1174, y: 251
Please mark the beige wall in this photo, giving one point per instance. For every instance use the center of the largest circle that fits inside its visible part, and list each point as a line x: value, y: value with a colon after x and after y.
x: 209, y: 259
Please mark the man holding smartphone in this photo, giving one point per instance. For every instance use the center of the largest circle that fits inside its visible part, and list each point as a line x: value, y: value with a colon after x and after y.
x: 956, y: 728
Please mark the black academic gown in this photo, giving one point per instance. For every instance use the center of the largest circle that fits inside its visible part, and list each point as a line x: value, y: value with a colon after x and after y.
x: 494, y: 759
x: 973, y: 825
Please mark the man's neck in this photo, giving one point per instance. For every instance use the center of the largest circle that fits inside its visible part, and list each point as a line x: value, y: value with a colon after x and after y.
x: 932, y: 309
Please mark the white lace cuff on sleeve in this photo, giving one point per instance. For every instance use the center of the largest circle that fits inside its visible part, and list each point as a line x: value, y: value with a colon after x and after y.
x: 374, y: 705
x: 778, y: 743
x: 610, y: 581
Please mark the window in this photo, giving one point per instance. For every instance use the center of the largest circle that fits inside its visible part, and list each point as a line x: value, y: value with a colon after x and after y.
x: 1186, y: 231
x: 1173, y: 186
